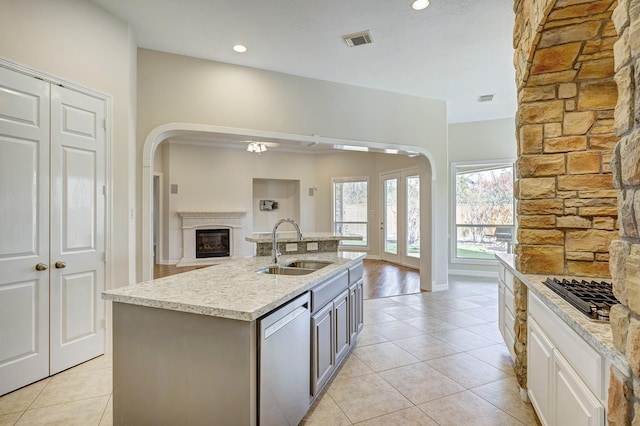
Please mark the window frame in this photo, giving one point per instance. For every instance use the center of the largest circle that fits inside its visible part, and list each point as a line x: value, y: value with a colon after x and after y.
x: 453, y: 240
x: 348, y: 179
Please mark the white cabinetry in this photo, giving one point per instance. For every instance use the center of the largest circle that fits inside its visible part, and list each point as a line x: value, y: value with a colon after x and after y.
x: 565, y: 375
x: 506, y: 308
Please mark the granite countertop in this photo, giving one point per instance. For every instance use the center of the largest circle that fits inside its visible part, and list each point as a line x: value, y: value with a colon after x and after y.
x: 291, y: 237
x: 597, y: 334
x: 231, y: 290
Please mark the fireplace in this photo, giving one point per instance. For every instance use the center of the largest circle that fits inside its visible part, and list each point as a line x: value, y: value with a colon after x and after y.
x: 217, y: 229
x: 212, y: 243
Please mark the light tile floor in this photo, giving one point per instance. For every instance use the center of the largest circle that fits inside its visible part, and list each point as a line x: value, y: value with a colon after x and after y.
x: 422, y: 359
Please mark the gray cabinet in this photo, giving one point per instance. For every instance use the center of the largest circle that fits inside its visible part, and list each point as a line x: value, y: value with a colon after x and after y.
x: 356, y: 314
x: 337, y: 318
x: 322, y: 353
x: 342, y: 325
x: 330, y: 340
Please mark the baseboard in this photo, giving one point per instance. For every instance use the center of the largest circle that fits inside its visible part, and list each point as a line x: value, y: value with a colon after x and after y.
x: 472, y: 273
x: 439, y: 287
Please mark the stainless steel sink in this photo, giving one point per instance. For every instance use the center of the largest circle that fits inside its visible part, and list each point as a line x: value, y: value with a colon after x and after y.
x: 283, y: 270
x: 308, y: 264
x: 296, y: 267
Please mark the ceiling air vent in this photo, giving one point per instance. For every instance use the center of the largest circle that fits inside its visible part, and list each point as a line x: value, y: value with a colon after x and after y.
x: 485, y: 98
x: 358, y: 39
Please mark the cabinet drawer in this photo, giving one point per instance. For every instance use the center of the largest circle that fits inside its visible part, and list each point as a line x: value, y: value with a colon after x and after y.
x: 328, y: 290
x: 579, y: 354
x: 509, y: 321
x: 501, y: 272
x: 510, y: 341
x: 509, y: 301
x: 355, y: 273
x: 508, y: 280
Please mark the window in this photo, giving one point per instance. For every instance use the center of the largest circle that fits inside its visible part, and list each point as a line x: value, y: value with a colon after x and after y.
x: 483, y: 210
x: 350, y: 209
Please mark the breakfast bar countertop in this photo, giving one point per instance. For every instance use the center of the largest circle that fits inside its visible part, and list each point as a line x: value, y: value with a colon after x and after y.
x: 234, y: 289
x: 292, y: 237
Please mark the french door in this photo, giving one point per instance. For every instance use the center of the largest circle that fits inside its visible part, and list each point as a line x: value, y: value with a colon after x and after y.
x: 52, y: 220
x: 400, y: 195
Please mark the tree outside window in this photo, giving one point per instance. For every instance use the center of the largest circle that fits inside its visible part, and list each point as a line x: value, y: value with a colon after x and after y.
x: 484, y: 210
x: 350, y: 209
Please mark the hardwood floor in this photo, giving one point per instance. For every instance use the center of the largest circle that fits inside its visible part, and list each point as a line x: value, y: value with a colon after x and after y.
x: 161, y: 271
x: 381, y: 279
x: 384, y: 279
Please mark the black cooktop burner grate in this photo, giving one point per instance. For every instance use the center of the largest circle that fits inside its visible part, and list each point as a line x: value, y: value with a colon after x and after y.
x: 592, y: 298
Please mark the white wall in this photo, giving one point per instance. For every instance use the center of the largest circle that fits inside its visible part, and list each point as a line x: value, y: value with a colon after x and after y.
x: 221, y: 180
x: 78, y: 41
x: 476, y: 141
x: 211, y: 178
x: 173, y: 88
x: 286, y: 193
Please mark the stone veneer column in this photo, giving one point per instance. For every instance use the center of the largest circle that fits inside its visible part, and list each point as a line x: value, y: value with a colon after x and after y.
x: 566, y: 96
x: 566, y: 201
x: 624, y: 404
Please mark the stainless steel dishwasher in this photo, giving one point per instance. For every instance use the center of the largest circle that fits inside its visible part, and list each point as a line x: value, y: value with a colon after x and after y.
x: 284, y: 364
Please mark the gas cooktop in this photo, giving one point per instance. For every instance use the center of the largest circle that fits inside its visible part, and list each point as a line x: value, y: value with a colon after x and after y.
x: 592, y: 298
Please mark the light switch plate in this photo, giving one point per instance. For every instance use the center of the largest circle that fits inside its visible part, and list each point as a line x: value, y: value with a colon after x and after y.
x: 312, y: 246
x: 291, y: 247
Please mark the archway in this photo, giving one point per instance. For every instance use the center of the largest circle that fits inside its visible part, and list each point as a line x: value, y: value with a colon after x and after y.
x: 161, y: 133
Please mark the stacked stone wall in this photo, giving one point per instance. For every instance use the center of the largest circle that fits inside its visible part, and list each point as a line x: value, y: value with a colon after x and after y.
x: 566, y: 201
x: 624, y: 389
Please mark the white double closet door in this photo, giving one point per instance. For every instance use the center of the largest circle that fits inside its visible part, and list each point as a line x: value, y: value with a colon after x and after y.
x: 52, y: 228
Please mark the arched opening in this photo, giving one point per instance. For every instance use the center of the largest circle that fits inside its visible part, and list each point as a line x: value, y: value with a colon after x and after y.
x: 202, y: 132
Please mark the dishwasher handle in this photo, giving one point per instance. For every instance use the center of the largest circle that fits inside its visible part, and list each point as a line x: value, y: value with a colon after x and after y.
x: 273, y: 328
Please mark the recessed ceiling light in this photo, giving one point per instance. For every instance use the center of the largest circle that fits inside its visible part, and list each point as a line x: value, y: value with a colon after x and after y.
x: 485, y: 98
x: 420, y: 4
x: 239, y: 48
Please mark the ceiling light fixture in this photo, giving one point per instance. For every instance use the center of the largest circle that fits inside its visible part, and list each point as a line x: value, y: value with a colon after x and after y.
x: 419, y: 4
x: 256, y: 147
x: 239, y: 48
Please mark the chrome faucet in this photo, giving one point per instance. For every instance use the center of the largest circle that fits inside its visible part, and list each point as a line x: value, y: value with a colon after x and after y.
x: 274, y: 242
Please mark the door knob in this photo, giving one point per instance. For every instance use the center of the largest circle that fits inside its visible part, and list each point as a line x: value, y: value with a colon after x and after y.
x: 41, y: 267
x: 60, y: 265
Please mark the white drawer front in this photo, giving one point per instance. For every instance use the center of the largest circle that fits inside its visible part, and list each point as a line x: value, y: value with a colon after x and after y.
x: 508, y: 280
x: 579, y: 354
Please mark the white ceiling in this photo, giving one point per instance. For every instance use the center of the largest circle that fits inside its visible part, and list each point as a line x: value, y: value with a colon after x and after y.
x: 455, y: 50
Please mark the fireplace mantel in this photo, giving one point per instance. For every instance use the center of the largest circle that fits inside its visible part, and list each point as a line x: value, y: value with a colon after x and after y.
x: 191, y: 221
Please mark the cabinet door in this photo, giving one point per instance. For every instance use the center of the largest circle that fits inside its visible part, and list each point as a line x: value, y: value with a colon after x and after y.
x: 539, y: 363
x: 342, y: 329
x: 501, y: 307
x: 360, y: 305
x: 574, y: 403
x: 322, y: 348
x: 353, y: 312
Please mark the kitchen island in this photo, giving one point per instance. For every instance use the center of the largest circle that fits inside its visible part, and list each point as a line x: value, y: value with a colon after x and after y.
x: 186, y: 347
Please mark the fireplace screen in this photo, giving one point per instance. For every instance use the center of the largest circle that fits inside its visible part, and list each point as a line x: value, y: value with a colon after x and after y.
x: 212, y: 243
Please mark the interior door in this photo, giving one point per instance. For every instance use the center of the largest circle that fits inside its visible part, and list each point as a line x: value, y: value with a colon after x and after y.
x: 389, y: 225
x: 77, y: 227
x: 24, y: 230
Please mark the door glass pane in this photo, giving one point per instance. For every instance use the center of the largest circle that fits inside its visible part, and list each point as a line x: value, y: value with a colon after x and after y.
x: 413, y: 216
x: 391, y: 216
